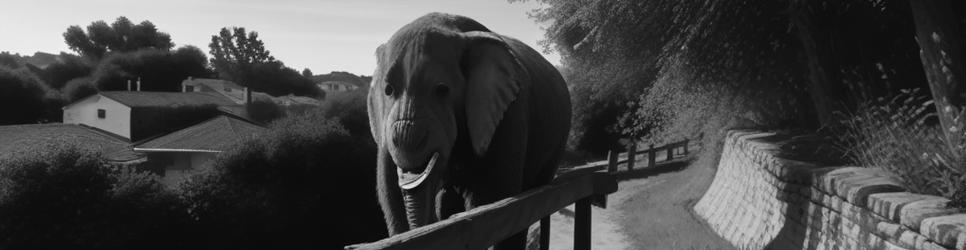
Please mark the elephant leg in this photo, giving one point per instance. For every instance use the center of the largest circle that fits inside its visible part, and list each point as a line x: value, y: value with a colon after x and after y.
x: 390, y: 195
x: 500, y: 174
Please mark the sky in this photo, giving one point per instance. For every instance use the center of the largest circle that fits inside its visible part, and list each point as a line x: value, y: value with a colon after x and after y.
x: 322, y: 35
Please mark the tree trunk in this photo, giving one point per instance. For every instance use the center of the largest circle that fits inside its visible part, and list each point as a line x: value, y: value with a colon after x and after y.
x: 940, y: 40
x: 825, y: 90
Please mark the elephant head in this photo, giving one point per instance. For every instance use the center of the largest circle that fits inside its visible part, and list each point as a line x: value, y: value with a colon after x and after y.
x: 437, y: 91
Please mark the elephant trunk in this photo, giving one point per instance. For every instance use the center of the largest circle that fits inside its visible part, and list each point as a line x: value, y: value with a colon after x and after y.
x: 420, y: 207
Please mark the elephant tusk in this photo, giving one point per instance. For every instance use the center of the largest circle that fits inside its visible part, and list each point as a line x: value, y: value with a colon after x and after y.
x: 409, y: 181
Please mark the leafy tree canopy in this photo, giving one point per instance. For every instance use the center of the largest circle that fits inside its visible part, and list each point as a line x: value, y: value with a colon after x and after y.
x: 240, y: 56
x: 120, y: 36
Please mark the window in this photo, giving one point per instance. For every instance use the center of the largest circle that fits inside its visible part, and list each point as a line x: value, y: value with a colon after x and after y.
x: 189, y: 88
x: 227, y: 89
x: 101, y: 113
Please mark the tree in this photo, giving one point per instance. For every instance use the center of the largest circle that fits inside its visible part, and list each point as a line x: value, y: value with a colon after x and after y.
x: 307, y: 72
x: 940, y: 36
x: 23, y: 97
x: 235, y: 51
x: 120, y: 36
x: 241, y: 57
x: 67, y: 67
x: 158, y: 70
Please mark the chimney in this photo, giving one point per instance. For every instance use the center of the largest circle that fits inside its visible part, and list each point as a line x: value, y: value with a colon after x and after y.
x: 248, y: 96
x: 139, y: 84
x: 128, y: 84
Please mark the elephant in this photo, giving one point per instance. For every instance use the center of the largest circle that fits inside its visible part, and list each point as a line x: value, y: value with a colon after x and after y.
x: 462, y: 117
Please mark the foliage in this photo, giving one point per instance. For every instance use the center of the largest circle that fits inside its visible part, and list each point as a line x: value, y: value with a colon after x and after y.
x: 307, y: 72
x: 78, y: 88
x: 241, y: 57
x: 12, y: 61
x: 67, y: 68
x: 352, y: 112
x: 60, y: 195
x: 264, y: 111
x: 120, y: 36
x: 24, y: 98
x: 158, y: 70
x: 899, y: 134
x: 305, y: 183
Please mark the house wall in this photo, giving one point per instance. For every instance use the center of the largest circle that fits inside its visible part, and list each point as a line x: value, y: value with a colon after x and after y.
x: 117, y: 118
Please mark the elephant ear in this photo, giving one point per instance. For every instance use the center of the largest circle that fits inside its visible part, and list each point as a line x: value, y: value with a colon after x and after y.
x: 374, y: 99
x: 493, y: 81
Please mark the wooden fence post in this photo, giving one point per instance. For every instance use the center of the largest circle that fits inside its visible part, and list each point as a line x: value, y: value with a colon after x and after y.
x: 631, y: 155
x: 685, y: 146
x: 545, y: 233
x: 582, y: 225
x: 670, y: 152
x: 612, y: 161
x: 651, y: 157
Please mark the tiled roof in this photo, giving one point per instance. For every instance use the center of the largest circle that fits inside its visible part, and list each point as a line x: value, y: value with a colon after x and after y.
x: 214, y: 135
x: 166, y: 99
x: 111, y: 147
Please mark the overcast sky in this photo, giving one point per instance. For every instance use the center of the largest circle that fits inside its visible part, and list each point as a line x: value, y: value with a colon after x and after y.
x: 323, y: 35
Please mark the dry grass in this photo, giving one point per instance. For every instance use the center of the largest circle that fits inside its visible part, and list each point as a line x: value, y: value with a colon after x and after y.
x: 901, y: 135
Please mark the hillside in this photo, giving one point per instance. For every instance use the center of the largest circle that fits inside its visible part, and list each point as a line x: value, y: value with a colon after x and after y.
x: 341, y: 76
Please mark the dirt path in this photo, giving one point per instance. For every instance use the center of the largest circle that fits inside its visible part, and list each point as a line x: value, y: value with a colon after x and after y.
x: 652, y: 209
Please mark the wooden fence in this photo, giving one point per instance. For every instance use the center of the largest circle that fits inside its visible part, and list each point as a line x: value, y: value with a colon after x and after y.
x: 630, y: 157
x: 484, y: 226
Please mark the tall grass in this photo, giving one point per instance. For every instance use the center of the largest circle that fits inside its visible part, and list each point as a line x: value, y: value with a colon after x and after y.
x: 901, y: 135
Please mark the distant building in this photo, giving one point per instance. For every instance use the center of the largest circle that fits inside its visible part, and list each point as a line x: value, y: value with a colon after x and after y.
x: 114, y: 111
x: 113, y: 148
x: 337, y: 86
x: 241, y: 95
x: 176, y: 155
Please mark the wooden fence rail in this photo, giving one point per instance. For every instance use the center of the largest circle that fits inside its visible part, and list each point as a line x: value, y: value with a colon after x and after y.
x: 630, y: 157
x: 484, y: 226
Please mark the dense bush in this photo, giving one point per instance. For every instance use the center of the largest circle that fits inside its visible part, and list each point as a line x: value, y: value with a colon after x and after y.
x: 78, y: 88
x: 159, y: 70
x: 304, y: 184
x: 264, y: 111
x: 67, y: 68
x: 62, y: 196
x: 25, y: 99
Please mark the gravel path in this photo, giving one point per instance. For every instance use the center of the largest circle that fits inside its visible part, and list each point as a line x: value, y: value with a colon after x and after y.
x: 652, y: 209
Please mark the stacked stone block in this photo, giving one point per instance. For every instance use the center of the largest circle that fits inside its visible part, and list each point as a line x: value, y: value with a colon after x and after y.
x: 759, y: 200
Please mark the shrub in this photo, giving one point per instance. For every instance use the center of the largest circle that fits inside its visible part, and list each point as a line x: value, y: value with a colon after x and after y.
x: 78, y: 88
x: 23, y: 97
x: 900, y: 135
x: 305, y: 183
x: 264, y: 111
x: 60, y: 196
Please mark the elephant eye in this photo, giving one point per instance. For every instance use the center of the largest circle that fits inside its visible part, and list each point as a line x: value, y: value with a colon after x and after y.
x: 442, y: 89
x: 389, y: 90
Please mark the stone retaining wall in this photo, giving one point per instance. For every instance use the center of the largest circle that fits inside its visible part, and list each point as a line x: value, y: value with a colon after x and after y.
x: 759, y: 200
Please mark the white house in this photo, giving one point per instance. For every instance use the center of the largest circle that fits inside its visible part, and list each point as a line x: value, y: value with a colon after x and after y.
x: 337, y: 86
x: 112, y: 111
x: 178, y: 154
